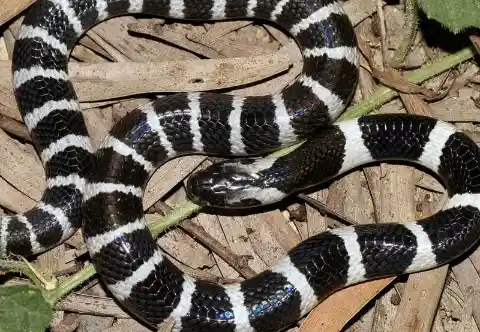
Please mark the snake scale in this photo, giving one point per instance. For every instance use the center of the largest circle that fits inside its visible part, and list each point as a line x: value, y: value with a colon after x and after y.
x: 101, y: 189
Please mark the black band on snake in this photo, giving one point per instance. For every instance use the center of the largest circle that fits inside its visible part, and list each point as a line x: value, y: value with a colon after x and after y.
x: 102, y: 190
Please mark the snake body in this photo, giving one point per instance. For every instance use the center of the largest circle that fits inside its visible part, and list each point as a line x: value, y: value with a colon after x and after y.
x: 101, y: 190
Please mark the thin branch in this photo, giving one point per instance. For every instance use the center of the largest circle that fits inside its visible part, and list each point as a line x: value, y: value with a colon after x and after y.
x: 325, y: 208
x: 239, y: 263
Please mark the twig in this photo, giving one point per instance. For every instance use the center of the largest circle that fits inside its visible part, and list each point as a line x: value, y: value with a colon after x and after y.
x: 476, y: 42
x: 383, y: 32
x: 116, y: 54
x: 175, y: 38
x: 92, y: 305
x: 239, y: 263
x: 325, y: 208
x: 69, y: 324
x: 14, y: 127
x: 422, y: 294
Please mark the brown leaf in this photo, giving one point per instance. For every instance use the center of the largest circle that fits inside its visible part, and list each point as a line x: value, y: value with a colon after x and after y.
x: 394, y: 79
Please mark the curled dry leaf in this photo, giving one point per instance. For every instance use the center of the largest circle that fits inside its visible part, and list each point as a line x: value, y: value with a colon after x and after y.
x: 394, y: 79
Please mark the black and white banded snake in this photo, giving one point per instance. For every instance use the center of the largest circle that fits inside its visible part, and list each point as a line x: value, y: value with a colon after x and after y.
x: 101, y: 190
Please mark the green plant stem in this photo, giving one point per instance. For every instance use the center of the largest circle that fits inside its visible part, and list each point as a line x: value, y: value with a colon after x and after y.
x: 68, y: 284
x: 179, y: 214
x: 156, y: 227
x: 20, y: 267
x: 381, y: 96
x: 384, y: 94
x: 411, y: 23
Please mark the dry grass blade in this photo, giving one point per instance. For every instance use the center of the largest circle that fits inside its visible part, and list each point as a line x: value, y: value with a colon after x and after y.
x: 324, y: 207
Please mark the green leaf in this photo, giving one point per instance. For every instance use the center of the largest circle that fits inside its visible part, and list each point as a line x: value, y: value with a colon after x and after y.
x: 455, y: 15
x: 23, y: 309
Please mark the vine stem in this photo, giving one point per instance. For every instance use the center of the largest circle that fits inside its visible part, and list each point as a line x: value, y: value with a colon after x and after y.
x: 23, y: 268
x: 156, y: 227
x: 188, y: 208
x: 411, y: 24
x: 384, y: 94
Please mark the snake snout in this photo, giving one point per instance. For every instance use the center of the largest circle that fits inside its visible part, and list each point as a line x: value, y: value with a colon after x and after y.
x: 221, y: 186
x: 207, y: 188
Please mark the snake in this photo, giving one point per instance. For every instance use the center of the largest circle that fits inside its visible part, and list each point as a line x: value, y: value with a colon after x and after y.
x: 100, y: 189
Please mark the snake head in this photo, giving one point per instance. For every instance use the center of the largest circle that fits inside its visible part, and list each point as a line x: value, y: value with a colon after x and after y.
x: 243, y: 183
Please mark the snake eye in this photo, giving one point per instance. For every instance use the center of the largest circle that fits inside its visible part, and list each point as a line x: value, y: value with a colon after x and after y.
x: 300, y: 112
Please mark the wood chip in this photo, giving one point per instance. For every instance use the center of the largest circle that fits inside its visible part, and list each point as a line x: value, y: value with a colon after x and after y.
x: 90, y: 304
x: 14, y: 127
x: 334, y: 313
x: 467, y: 277
x: 13, y: 199
x: 10, y: 9
x: 21, y: 168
